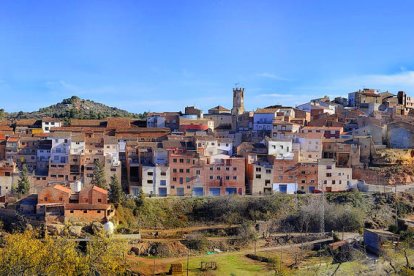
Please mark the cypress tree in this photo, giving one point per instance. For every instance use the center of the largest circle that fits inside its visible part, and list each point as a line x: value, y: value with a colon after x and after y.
x: 99, y: 176
x: 23, y: 184
x: 116, y: 195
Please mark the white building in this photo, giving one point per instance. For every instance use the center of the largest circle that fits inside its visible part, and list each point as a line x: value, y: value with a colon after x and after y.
x: 156, y: 121
x: 318, y: 104
x: 263, y: 119
x: 310, y: 146
x: 49, y: 123
x: 160, y: 156
x: 155, y: 180
x: 77, y: 146
x: 60, y: 149
x: 285, y: 188
x: 281, y: 148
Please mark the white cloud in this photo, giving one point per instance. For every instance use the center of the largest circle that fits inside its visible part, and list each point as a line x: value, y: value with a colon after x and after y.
x: 403, y: 80
x: 272, y: 76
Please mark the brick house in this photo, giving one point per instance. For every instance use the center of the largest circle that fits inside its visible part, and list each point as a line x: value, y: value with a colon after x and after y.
x: 185, y: 172
x: 223, y: 175
x: 59, y: 203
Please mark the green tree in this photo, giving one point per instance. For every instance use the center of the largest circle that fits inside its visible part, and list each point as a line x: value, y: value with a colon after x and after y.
x: 140, y: 200
x: 116, y: 195
x: 23, y: 184
x: 25, y: 254
x: 98, y: 178
x: 106, y: 256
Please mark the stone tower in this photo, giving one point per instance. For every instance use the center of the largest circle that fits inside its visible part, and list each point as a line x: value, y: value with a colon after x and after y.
x: 238, y: 107
x: 238, y: 101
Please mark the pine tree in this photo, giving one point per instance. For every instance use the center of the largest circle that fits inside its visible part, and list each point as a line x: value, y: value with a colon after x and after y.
x: 99, y: 175
x: 116, y: 195
x: 23, y: 184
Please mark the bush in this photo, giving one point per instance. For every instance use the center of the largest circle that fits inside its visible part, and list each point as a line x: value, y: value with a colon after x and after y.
x: 196, y: 242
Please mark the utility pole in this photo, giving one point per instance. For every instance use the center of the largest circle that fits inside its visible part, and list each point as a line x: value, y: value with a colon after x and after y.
x: 323, y: 210
x: 396, y: 208
x: 255, y: 246
x: 188, y: 259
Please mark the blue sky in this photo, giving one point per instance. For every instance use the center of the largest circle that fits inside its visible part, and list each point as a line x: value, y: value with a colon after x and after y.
x: 163, y: 55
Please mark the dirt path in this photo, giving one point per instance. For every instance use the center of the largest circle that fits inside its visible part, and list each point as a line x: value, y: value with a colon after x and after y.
x: 189, y: 229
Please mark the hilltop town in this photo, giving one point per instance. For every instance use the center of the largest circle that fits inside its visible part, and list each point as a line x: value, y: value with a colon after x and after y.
x: 324, y: 145
x: 171, y: 183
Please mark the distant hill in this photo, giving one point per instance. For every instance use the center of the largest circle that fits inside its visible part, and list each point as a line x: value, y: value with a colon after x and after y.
x: 75, y: 107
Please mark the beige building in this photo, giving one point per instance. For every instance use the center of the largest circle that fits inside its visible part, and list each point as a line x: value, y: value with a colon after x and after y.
x: 260, y: 177
x: 332, y: 178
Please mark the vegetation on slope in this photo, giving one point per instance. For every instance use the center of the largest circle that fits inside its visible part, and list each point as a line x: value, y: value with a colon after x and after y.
x: 342, y: 211
x: 76, y: 108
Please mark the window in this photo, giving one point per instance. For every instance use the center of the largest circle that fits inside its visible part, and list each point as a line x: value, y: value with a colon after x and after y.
x: 174, y: 179
x: 267, y: 182
x: 45, y: 199
x: 211, y: 177
x: 188, y: 160
x: 227, y: 168
x: 85, y: 211
x: 211, y: 168
x: 325, y: 182
x: 181, y: 160
x: 175, y: 160
x: 227, y: 177
x: 174, y: 170
x: 328, y: 175
x: 60, y: 199
x: 329, y: 167
x: 71, y: 211
x: 234, y: 168
x: 149, y: 181
x: 99, y: 200
x: 150, y: 173
x: 258, y: 176
x: 258, y: 169
x: 268, y: 171
x: 234, y: 177
x: 181, y: 180
x: 163, y: 173
x: 218, y: 177
x: 333, y: 182
x: 303, y: 181
x: 187, y: 170
x: 198, y: 172
x: 218, y: 168
x: 187, y: 179
x: 181, y: 170
x: 98, y: 211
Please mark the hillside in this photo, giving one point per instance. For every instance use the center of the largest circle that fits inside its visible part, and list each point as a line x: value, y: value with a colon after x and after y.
x: 75, y: 107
